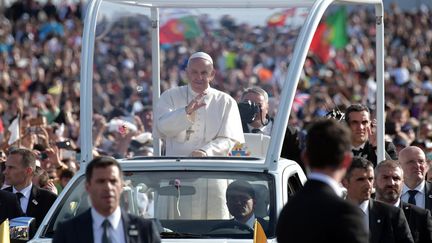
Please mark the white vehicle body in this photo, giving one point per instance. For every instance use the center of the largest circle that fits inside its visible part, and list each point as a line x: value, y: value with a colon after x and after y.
x: 284, y: 174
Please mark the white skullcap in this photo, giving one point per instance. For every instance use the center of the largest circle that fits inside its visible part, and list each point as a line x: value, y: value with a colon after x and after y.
x: 202, y: 55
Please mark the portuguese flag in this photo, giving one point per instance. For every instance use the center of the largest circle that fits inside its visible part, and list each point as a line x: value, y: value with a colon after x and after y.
x: 177, y: 30
x: 332, y: 32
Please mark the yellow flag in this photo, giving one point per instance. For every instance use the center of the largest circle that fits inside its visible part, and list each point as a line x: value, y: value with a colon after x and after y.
x: 4, y: 232
x: 259, y: 234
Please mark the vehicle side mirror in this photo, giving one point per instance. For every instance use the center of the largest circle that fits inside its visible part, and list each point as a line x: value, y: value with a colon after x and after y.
x: 22, y: 229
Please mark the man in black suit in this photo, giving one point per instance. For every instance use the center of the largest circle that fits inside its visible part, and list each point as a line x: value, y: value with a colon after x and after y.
x: 358, y: 119
x: 317, y: 213
x: 105, y: 222
x: 416, y: 189
x: 9, y: 206
x: 388, y: 184
x: 20, y: 166
x: 385, y: 222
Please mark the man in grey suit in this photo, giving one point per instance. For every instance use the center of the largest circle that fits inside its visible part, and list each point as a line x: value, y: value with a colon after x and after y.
x: 105, y: 222
x: 317, y: 213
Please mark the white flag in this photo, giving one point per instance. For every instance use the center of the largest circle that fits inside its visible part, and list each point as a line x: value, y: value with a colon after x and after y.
x: 14, y: 130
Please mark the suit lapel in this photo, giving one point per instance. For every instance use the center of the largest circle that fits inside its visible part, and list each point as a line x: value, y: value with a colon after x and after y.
x: 375, y: 223
x: 407, y: 211
x: 33, y: 201
x: 428, y: 195
x: 130, y: 228
x: 85, y: 228
x: 126, y: 223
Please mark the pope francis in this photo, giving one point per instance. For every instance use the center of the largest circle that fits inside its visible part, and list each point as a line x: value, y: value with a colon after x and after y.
x: 196, y: 119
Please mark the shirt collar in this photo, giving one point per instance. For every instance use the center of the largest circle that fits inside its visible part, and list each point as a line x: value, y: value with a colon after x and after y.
x: 364, y: 206
x: 359, y: 147
x: 25, y: 191
x: 191, y: 91
x: 419, y: 188
x: 398, y: 203
x: 251, y: 221
x: 114, y: 218
x: 327, y: 180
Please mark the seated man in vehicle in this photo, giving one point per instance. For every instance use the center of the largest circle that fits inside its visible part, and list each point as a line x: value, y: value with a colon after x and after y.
x: 241, y: 202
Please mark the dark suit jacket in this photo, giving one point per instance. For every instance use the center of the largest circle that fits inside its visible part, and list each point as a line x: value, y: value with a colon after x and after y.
x: 79, y: 229
x: 40, y: 202
x: 428, y: 195
x: 9, y: 206
x: 317, y: 214
x: 387, y: 224
x: 419, y: 221
x: 370, y: 154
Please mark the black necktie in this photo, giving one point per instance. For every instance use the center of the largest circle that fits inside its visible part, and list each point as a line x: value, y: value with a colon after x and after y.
x: 19, y: 195
x: 357, y: 152
x: 256, y: 130
x: 105, y: 236
x: 412, y: 194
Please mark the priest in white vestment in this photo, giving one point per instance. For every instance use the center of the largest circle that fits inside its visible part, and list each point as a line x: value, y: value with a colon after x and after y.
x: 195, y: 119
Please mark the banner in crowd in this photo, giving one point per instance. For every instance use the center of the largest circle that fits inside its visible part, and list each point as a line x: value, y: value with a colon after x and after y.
x: 180, y: 29
x: 331, y: 33
x: 291, y: 17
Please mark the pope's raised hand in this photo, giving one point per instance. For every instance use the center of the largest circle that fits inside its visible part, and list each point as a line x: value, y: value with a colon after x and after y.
x: 195, y: 103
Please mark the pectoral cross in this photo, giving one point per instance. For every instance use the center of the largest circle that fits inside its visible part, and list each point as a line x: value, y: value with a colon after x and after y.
x: 189, y: 131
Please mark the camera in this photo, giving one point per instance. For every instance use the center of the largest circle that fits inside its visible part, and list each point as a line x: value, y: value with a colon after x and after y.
x: 248, y: 111
x: 43, y: 156
x: 64, y: 145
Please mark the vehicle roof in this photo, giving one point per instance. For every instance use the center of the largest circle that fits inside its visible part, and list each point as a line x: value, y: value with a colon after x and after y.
x: 234, y: 4
x: 250, y: 164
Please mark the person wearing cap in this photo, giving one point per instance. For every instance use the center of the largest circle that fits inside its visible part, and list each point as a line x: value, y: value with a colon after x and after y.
x: 196, y: 119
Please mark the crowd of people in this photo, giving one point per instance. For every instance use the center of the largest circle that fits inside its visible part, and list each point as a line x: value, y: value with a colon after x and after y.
x: 40, y: 74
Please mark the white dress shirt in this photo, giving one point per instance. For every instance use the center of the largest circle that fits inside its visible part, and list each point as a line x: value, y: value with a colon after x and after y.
x: 266, y: 130
x: 115, y: 232
x: 251, y: 221
x: 24, y: 201
x: 364, y: 206
x: 216, y: 127
x: 419, y: 197
x: 327, y: 180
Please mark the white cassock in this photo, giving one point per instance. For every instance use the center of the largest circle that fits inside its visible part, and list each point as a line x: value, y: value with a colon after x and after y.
x: 214, y: 128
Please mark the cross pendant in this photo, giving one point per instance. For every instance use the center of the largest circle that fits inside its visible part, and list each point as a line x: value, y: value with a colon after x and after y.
x: 189, y: 131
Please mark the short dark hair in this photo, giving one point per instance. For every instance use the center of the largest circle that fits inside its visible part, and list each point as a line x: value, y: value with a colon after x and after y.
x: 327, y: 142
x: 241, y: 186
x: 101, y: 162
x: 358, y: 163
x: 387, y: 163
x: 355, y: 108
x: 28, y: 158
x: 66, y: 173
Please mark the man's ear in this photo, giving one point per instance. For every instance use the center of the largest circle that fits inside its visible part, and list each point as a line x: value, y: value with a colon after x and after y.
x: 345, y: 182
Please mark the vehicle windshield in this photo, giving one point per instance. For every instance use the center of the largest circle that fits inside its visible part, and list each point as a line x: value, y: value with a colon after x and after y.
x: 188, y: 204
x: 247, y: 51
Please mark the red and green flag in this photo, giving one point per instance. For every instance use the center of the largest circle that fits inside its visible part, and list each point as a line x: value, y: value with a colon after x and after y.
x: 180, y: 29
x: 332, y: 32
